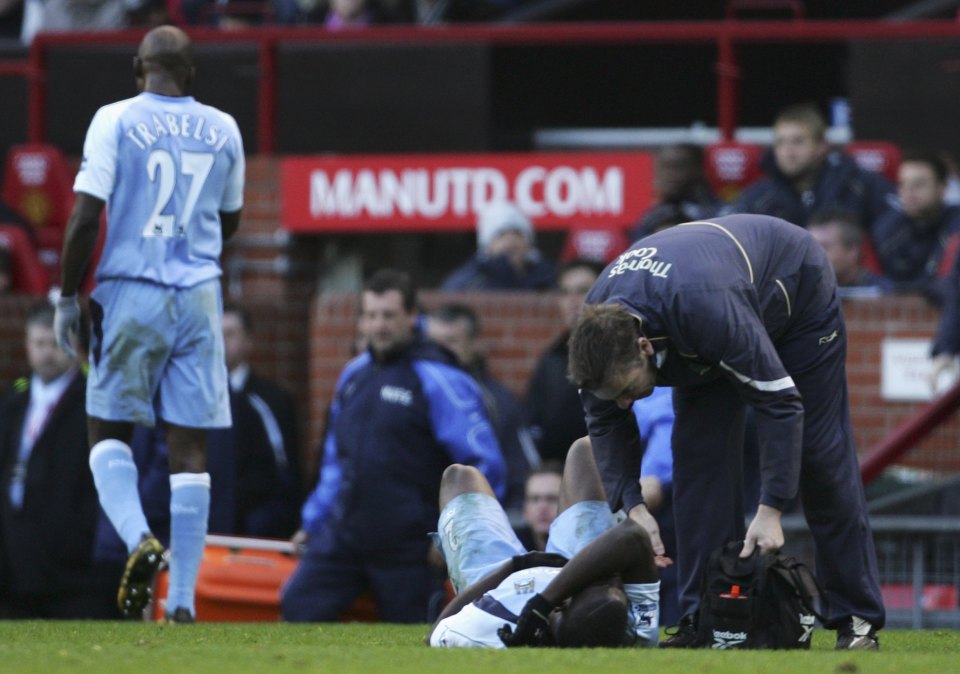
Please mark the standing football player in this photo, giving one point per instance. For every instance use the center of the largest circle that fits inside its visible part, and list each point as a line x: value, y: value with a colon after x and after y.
x: 170, y: 171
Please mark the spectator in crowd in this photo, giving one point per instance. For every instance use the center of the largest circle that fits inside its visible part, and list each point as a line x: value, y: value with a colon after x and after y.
x: 60, y: 16
x: 917, y: 241
x: 274, y: 409
x: 506, y: 258
x: 48, y: 507
x: 157, y: 304
x: 738, y: 311
x: 457, y: 327
x: 805, y: 176
x: 552, y: 404
x: 541, y: 501
x: 506, y: 596
x: 402, y: 412
x: 842, y: 239
x: 683, y: 193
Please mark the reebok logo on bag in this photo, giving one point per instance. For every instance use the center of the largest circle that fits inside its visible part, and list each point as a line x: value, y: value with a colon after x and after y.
x: 764, y: 601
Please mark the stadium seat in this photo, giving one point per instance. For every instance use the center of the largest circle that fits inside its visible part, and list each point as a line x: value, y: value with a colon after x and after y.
x: 27, y: 274
x: 879, y: 156
x: 731, y: 166
x: 37, y: 183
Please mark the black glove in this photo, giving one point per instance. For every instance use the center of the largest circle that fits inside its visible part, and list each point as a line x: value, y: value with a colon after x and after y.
x: 533, y: 627
x: 536, y: 558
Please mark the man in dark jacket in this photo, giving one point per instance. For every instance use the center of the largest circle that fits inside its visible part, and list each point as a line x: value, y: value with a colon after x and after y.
x: 48, y: 504
x: 734, y: 311
x: 403, y: 411
x: 804, y: 176
x: 457, y: 327
x: 552, y: 404
x: 918, y: 239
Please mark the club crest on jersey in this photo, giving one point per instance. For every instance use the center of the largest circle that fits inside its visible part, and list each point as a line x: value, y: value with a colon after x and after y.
x: 524, y: 585
x: 640, y: 259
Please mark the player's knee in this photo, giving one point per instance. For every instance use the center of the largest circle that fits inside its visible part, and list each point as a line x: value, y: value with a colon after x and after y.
x: 581, y: 450
x: 458, y: 474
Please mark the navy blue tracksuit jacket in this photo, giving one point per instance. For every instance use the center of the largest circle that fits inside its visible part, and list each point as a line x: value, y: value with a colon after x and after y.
x: 743, y: 310
x: 394, y: 427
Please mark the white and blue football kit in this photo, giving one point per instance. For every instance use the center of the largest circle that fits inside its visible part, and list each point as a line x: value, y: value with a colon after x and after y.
x: 166, y: 166
x: 476, y: 538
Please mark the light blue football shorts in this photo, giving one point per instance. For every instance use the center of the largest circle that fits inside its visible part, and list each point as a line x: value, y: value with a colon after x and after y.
x: 158, y: 350
x: 476, y: 537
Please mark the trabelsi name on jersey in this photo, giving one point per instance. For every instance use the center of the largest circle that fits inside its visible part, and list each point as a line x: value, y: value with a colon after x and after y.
x: 185, y: 125
x: 167, y: 166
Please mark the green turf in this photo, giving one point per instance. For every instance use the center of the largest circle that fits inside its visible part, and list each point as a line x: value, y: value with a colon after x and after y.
x: 50, y: 647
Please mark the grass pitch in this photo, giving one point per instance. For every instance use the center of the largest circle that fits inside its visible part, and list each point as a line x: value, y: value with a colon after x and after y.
x: 102, y: 648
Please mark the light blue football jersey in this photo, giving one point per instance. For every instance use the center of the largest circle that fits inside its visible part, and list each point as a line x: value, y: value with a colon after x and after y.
x: 166, y: 166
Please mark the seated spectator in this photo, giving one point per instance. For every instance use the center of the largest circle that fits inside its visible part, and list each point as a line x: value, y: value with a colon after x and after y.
x: 805, y: 176
x: 553, y: 409
x: 916, y: 240
x: 541, y: 500
x: 272, y: 408
x: 682, y: 190
x: 457, y: 327
x: 60, y: 16
x: 946, y: 343
x: 506, y: 258
x: 48, y: 504
x: 842, y: 239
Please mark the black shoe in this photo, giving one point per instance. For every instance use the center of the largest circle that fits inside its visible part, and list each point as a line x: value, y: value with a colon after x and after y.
x: 180, y: 616
x: 136, y: 586
x: 857, y: 635
x: 683, y: 635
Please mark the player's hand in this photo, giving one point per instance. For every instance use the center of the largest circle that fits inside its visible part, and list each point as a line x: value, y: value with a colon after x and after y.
x: 765, y: 532
x: 642, y: 516
x: 533, y: 627
x: 66, y: 324
x: 537, y: 558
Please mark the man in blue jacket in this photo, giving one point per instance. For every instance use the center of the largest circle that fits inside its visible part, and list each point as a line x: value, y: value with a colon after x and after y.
x: 403, y: 411
x: 735, y: 311
x: 804, y: 176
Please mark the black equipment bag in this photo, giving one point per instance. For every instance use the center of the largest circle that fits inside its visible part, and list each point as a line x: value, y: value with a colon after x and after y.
x: 768, y: 600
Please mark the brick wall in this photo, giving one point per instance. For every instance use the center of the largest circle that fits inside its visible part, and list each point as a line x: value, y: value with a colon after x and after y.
x: 304, y: 338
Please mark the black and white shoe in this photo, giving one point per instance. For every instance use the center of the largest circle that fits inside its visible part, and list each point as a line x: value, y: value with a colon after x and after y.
x: 857, y: 634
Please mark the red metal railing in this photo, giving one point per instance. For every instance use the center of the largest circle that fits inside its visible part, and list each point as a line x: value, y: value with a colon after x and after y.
x: 725, y: 34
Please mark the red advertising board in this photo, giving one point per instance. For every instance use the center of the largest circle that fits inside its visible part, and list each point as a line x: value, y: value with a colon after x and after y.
x: 445, y: 192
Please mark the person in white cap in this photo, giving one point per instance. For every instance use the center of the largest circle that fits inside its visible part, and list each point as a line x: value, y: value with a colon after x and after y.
x: 506, y: 258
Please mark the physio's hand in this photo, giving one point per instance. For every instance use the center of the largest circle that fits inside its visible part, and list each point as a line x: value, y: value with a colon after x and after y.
x: 533, y: 627
x: 941, y: 363
x: 299, y: 541
x: 765, y: 532
x: 66, y: 324
x: 642, y: 516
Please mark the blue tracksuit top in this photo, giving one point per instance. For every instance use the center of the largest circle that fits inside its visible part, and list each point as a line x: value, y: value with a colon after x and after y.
x: 393, y: 428
x: 713, y: 297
